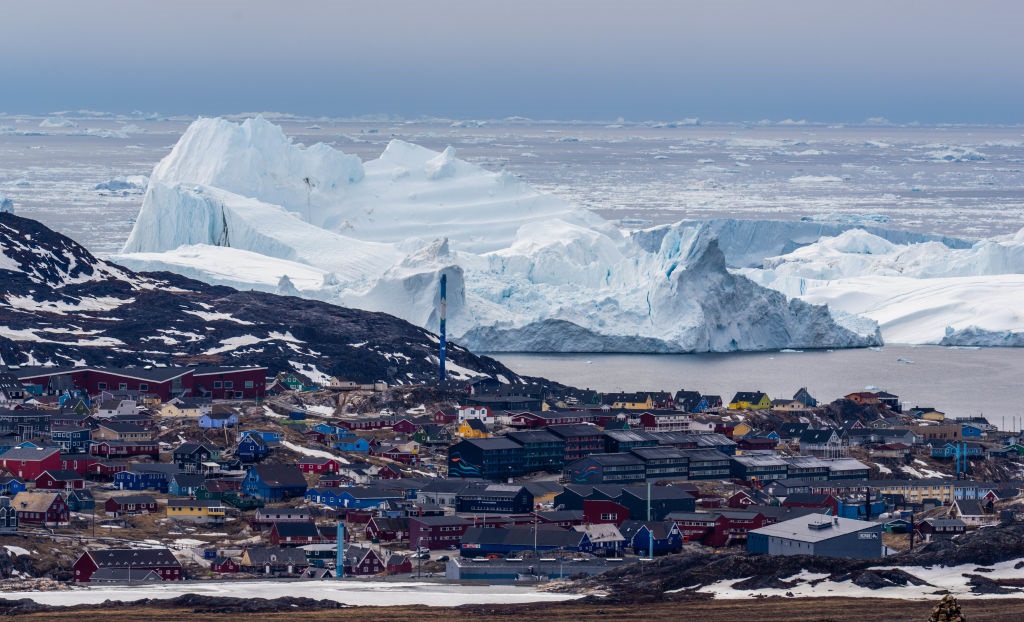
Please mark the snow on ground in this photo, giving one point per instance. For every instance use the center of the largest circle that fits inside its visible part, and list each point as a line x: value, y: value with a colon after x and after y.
x: 313, y: 453
x: 16, y: 550
x: 321, y: 410
x: 355, y: 593
x: 210, y: 316
x: 268, y: 411
x: 949, y: 578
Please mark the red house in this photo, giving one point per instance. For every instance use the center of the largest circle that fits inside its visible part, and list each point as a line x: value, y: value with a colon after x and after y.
x: 130, y: 505
x: 165, y: 382
x: 389, y: 471
x: 399, y: 564
x: 599, y: 512
x: 404, y: 426
x: 41, y: 508
x: 125, y: 449
x: 294, y: 533
x: 58, y: 479
x: 79, y: 463
x: 384, y: 529
x: 319, y: 465
x: 30, y: 462
x: 444, y: 418
x: 224, y: 565
x: 361, y: 562
x: 812, y: 500
x: 122, y: 563
x: 438, y: 532
x: 106, y: 470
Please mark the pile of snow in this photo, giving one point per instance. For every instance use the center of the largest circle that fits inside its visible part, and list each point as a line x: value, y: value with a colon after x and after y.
x: 526, y: 270
x: 919, y: 293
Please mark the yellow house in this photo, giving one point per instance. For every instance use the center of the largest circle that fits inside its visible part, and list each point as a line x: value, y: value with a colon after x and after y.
x: 207, y: 511
x: 628, y: 401
x: 189, y: 407
x: 473, y: 428
x: 915, y: 491
x: 750, y: 400
x: 933, y: 415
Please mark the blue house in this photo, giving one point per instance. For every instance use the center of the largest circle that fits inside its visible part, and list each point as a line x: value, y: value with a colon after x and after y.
x: 81, y: 500
x: 855, y: 508
x: 325, y: 496
x: 667, y: 537
x: 10, y: 485
x: 252, y: 448
x: 266, y: 437
x: 353, y: 444
x: 144, y: 480
x: 274, y: 482
x: 331, y: 430
x: 218, y: 420
x: 185, y: 484
x: 971, y: 431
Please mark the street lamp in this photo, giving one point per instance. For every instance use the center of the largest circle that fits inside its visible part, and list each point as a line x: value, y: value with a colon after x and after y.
x: 419, y: 557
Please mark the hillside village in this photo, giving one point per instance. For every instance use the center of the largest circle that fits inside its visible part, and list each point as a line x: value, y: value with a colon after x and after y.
x: 127, y: 475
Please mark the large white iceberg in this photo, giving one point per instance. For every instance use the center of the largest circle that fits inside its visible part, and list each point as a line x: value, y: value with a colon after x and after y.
x: 919, y: 293
x: 526, y: 270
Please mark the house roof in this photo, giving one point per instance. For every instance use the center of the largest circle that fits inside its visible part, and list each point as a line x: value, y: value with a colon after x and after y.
x: 62, y: 475
x: 276, y: 556
x: 571, y: 430
x: 296, y: 529
x: 34, y: 501
x: 29, y: 453
x: 194, y: 503
x: 804, y: 529
x: 280, y: 475
x: 661, y: 529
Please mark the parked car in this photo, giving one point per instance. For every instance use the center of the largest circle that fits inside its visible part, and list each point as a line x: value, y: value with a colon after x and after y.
x: 443, y: 558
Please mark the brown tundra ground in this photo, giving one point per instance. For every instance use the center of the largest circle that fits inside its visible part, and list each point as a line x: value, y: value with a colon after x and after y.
x: 761, y: 610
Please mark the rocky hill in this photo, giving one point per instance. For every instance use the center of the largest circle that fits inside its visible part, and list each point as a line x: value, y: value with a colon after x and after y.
x: 59, y: 304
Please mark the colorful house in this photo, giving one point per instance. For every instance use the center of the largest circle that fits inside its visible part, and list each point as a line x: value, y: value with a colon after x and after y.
x: 473, y: 428
x: 41, y: 508
x: 206, y: 511
x: 273, y: 482
x: 750, y: 400
x: 126, y: 562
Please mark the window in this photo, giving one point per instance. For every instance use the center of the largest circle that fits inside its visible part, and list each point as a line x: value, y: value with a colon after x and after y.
x: 239, y: 395
x: 217, y: 384
x: 248, y: 384
x: 143, y: 386
x: 101, y: 386
x: 228, y: 384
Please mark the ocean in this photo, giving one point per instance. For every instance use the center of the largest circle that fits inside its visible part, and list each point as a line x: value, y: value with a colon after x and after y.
x: 960, y: 382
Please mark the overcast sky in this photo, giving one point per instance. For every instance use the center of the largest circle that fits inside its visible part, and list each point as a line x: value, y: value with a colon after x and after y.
x: 820, y: 60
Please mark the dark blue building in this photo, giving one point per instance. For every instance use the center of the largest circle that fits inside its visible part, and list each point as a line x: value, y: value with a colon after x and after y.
x: 494, y: 499
x: 488, y: 458
x: 542, y: 450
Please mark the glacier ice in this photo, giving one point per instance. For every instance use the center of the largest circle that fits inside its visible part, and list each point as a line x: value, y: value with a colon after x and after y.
x: 526, y: 270
x: 921, y: 292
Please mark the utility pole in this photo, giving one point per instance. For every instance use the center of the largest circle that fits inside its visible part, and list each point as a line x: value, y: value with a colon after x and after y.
x: 650, y: 527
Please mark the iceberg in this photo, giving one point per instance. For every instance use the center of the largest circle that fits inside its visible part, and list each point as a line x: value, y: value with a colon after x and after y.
x: 921, y: 292
x: 241, y: 204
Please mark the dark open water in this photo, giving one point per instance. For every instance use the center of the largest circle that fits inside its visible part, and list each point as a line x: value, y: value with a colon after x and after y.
x: 956, y: 381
